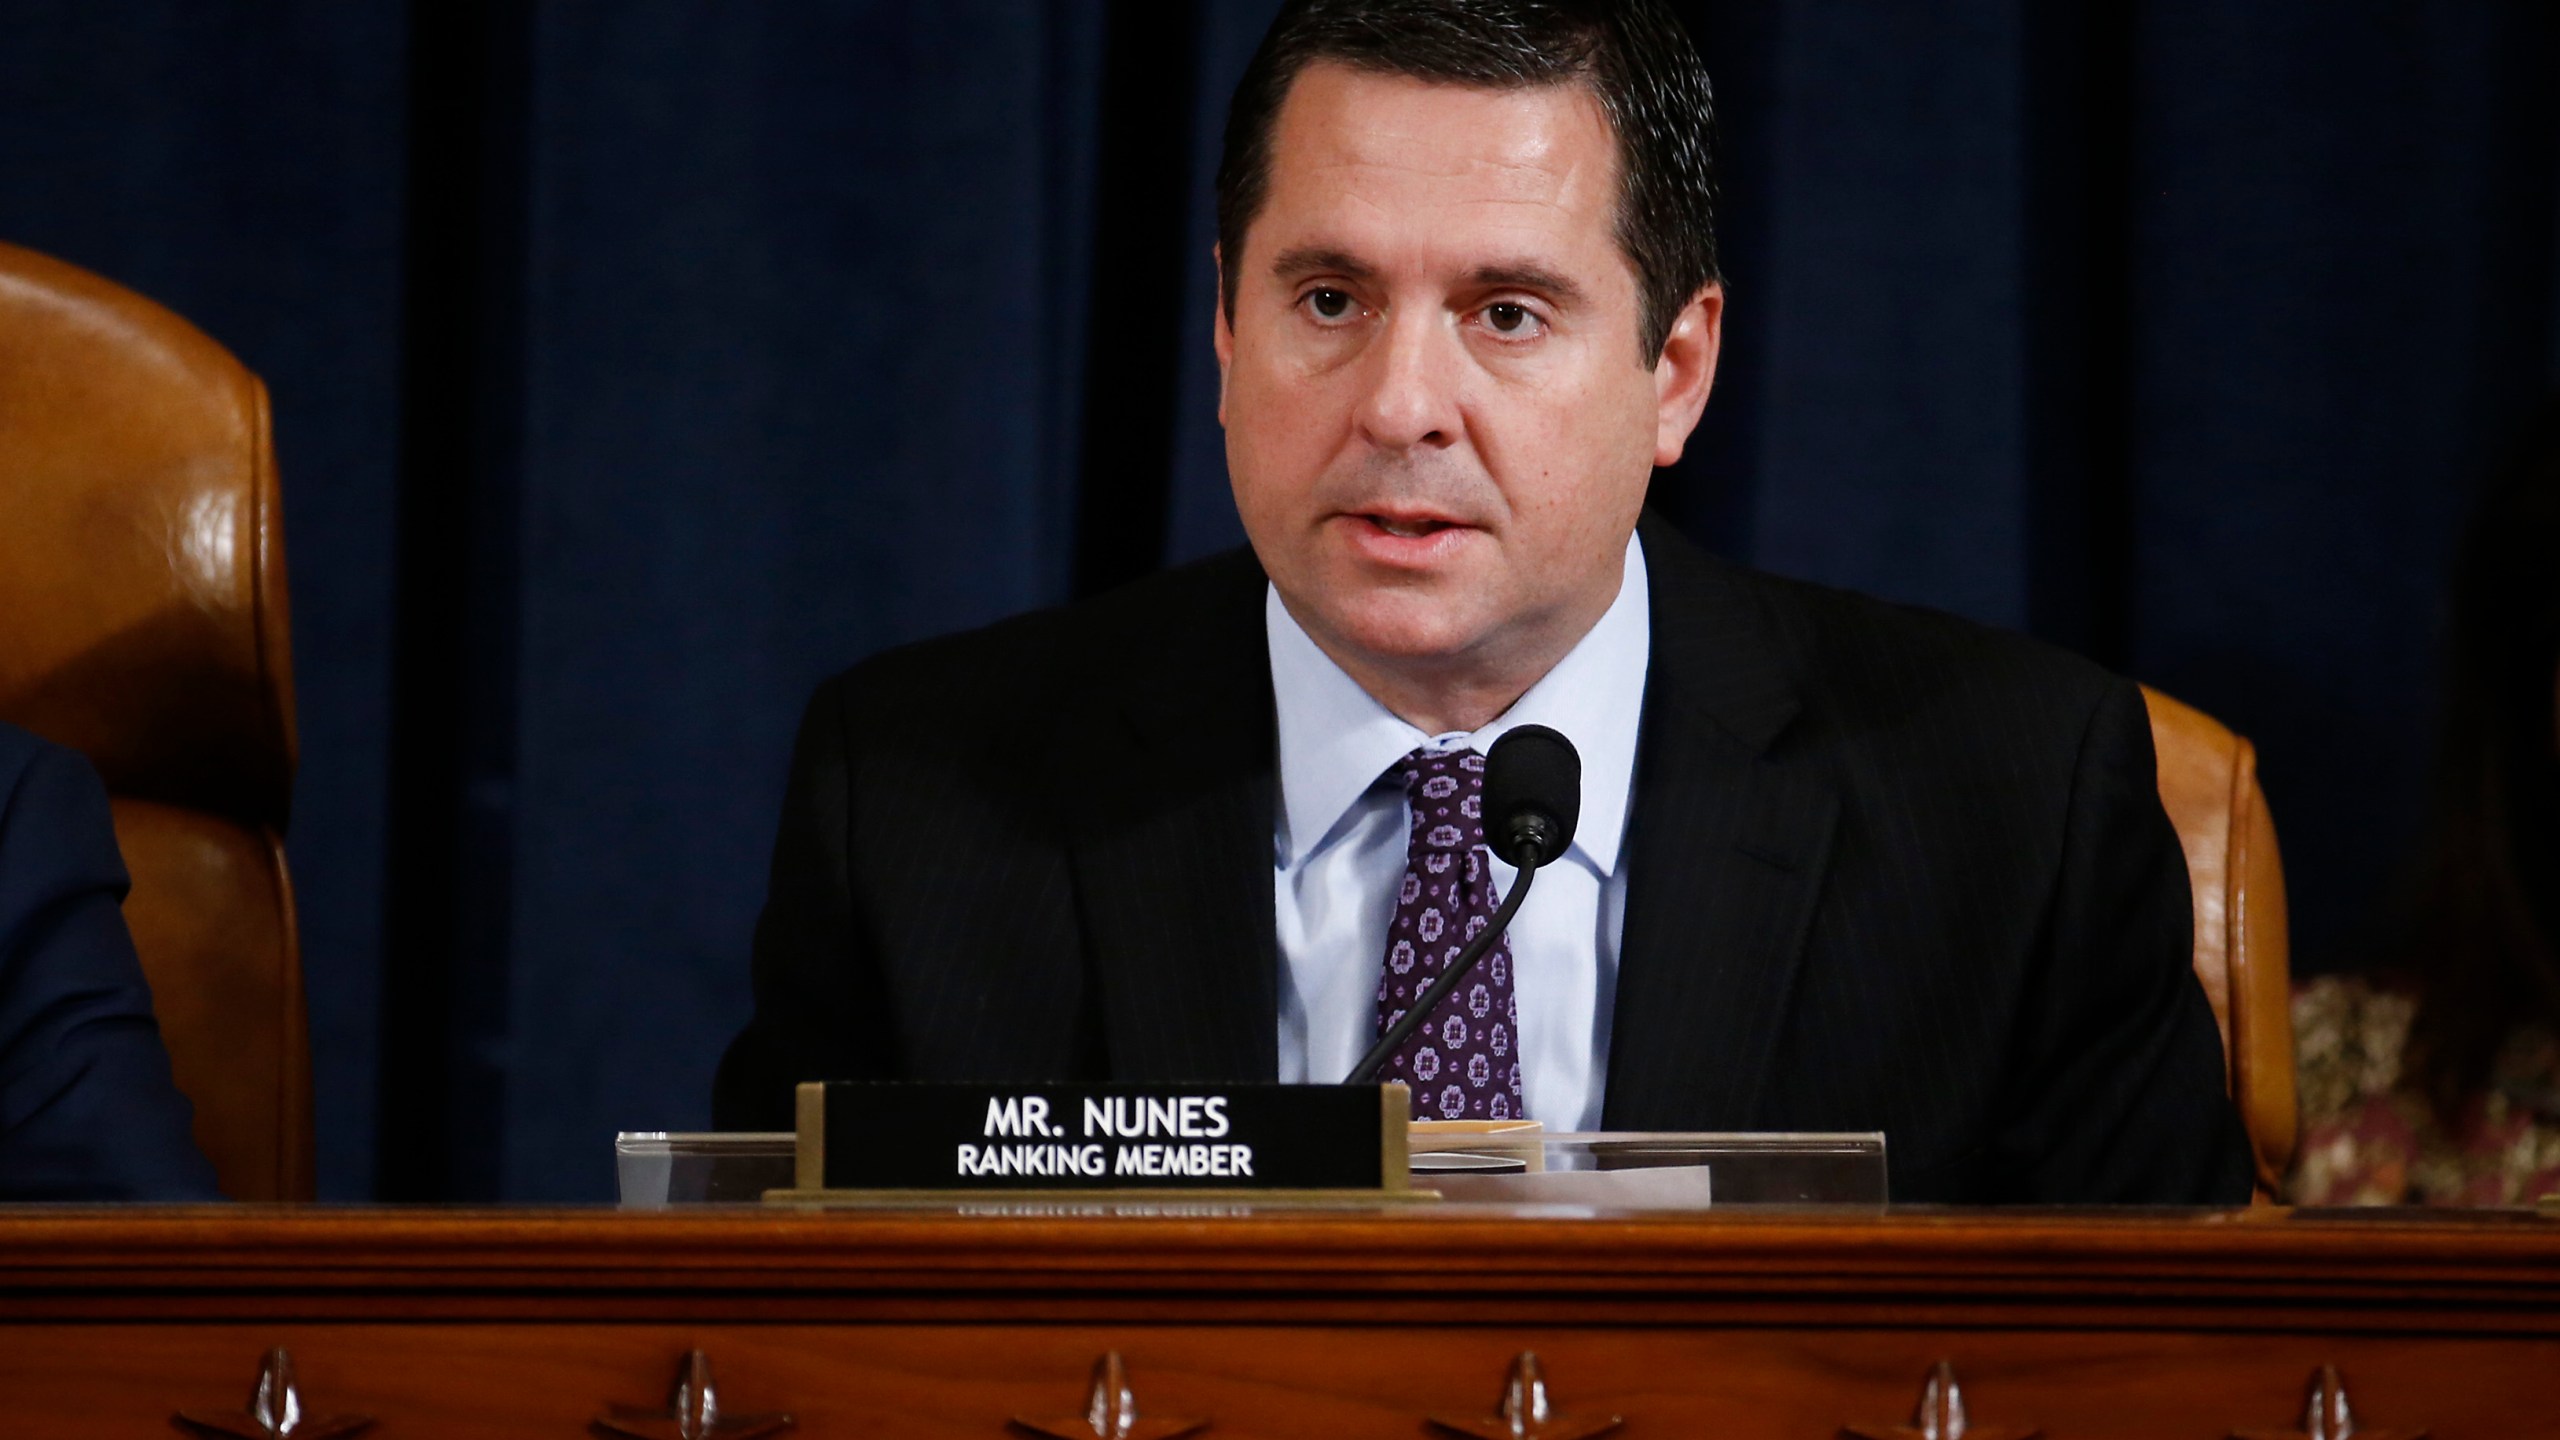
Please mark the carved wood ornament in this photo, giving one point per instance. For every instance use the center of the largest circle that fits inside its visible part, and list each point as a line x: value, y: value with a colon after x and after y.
x: 1110, y: 1412
x: 2325, y: 1416
x: 1940, y: 1416
x: 1525, y: 1413
x: 274, y: 1411
x: 692, y: 1413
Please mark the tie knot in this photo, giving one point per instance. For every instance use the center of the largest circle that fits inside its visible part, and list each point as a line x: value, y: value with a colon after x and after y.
x: 1464, y: 766
x: 1445, y: 792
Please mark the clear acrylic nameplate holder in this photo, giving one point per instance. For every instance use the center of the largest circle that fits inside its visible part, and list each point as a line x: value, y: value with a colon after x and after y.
x: 1636, y: 1170
x: 1602, y: 1170
x: 658, y: 1168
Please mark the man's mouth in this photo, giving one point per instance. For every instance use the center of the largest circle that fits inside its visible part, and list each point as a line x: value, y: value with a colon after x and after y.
x: 1410, y: 527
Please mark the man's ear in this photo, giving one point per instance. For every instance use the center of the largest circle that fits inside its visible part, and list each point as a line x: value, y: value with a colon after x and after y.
x: 1686, y: 371
x: 1222, y: 336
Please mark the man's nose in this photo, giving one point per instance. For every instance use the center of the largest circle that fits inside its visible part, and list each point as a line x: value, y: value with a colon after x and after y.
x: 1413, y: 375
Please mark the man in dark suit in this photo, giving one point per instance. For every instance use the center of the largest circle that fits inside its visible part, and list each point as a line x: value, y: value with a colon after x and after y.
x: 87, y: 1108
x: 1843, y: 866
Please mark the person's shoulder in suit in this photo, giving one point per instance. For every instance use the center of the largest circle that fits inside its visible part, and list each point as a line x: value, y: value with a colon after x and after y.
x: 1000, y: 713
x: 1979, y: 728
x: 2002, y: 847
x: 921, y: 818
x: 1001, y: 679
x: 1853, y: 658
x: 88, y: 1109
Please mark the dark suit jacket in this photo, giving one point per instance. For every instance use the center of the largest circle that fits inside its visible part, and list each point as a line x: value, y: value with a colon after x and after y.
x: 1890, y: 871
x: 87, y: 1108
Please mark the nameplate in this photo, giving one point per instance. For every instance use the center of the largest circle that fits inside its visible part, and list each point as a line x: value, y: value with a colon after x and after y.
x: 859, y: 1136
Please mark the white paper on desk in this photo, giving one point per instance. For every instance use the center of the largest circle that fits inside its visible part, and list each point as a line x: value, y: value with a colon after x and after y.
x: 1653, y: 1187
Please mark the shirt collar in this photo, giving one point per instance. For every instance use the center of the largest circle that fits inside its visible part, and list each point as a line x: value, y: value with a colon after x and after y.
x: 1336, y: 740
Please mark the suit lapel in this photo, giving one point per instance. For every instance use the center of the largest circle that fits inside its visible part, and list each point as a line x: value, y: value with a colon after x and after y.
x: 1727, y: 845
x: 1170, y: 782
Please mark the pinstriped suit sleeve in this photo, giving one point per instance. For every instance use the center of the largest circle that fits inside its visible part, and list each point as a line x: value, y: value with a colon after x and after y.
x: 2115, y: 1093
x: 821, y: 1009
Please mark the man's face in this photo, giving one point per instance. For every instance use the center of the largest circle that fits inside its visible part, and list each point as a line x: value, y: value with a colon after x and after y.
x: 1440, y: 423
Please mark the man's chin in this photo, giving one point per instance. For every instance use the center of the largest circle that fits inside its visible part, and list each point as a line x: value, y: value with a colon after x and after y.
x: 1406, y: 629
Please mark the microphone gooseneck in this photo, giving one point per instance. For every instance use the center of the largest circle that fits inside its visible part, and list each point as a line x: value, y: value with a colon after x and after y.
x: 1532, y: 800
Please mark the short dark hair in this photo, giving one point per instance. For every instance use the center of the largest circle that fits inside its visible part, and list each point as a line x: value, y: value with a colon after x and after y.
x: 1632, y: 53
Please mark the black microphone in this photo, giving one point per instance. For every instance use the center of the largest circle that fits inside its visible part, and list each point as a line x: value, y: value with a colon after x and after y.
x: 1532, y: 798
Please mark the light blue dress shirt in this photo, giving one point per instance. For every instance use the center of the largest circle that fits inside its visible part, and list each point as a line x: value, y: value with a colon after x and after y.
x: 1338, y: 854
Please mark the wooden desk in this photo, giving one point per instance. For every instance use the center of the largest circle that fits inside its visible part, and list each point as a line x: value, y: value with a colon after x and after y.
x: 527, y: 1323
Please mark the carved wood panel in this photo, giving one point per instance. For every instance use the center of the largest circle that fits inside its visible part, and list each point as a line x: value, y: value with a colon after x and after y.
x: 921, y: 1382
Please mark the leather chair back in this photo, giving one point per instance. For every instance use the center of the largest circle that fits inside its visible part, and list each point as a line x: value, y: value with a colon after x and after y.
x: 143, y: 623
x: 2209, y: 785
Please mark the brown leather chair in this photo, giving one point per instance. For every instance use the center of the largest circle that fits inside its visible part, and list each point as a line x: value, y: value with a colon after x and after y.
x: 142, y: 623
x: 2209, y: 785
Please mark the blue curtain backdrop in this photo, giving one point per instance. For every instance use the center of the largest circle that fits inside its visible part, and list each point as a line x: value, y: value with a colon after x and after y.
x: 638, y: 365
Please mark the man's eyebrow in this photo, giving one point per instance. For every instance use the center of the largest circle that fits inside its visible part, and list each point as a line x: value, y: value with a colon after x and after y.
x: 1308, y: 260
x: 1317, y: 260
x: 1528, y: 275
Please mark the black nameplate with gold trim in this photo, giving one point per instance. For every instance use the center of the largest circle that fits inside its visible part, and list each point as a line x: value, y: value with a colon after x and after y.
x: 869, y: 1137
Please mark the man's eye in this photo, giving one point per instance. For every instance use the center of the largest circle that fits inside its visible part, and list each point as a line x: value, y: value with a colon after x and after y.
x: 1330, y: 304
x: 1513, y: 320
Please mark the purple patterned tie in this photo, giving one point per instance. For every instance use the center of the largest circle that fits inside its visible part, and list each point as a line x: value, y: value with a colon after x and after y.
x: 1462, y: 1063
